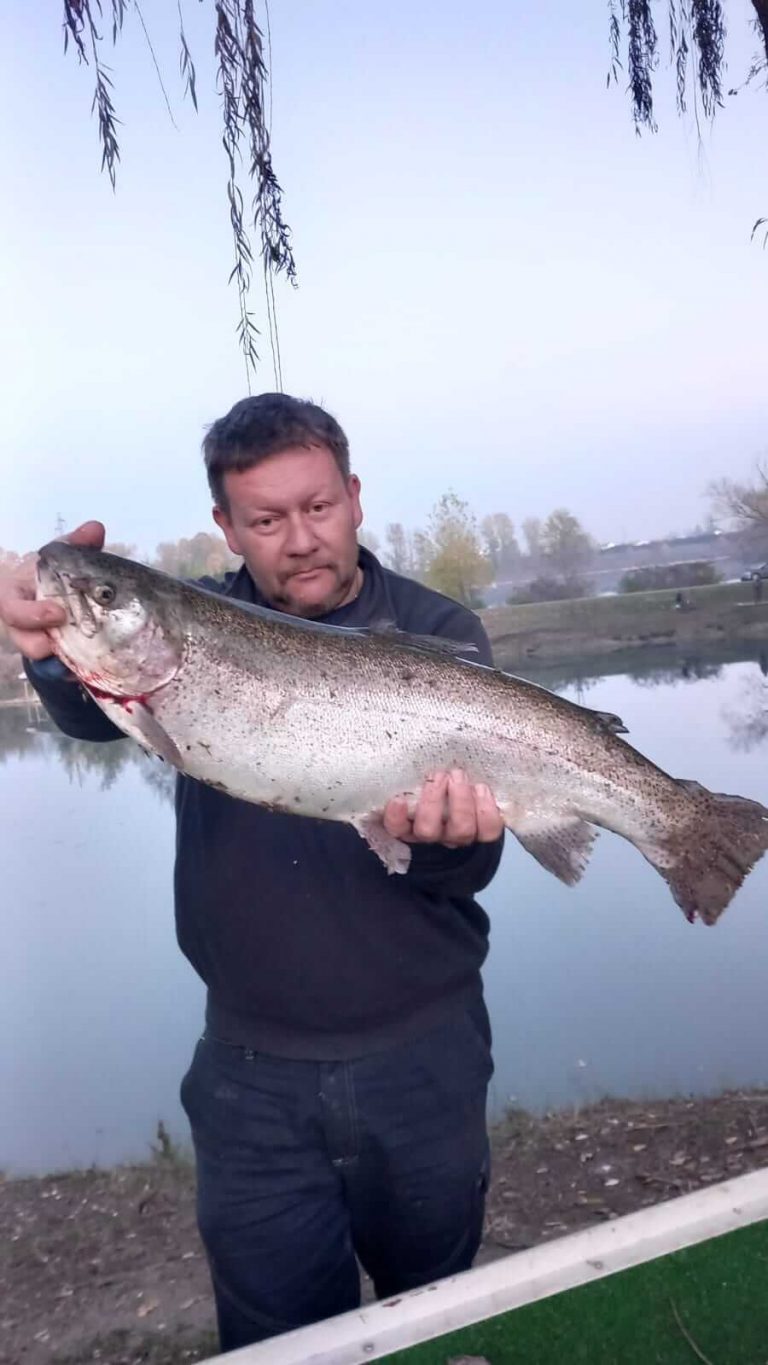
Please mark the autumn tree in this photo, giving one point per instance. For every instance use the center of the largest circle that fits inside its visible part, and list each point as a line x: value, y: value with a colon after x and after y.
x: 121, y: 548
x: 566, y: 548
x: 455, y: 563
x: 203, y: 555
x: 500, y: 542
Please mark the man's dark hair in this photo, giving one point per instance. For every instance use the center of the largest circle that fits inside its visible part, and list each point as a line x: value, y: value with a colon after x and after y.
x: 256, y: 428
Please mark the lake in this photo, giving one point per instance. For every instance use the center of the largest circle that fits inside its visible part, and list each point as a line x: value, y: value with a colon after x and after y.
x: 601, y: 989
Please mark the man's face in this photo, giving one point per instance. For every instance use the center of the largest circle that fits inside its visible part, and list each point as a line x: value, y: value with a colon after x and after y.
x: 294, y: 519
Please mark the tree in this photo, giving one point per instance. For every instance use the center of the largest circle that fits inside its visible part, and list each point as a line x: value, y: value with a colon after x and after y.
x: 370, y: 540
x: 205, y: 554
x: 242, y: 77
x: 399, y: 553
x: 500, y: 542
x: 697, y: 35
x: 745, y: 506
x: 532, y: 534
x: 565, y: 545
x: 457, y: 565
x: 119, y: 547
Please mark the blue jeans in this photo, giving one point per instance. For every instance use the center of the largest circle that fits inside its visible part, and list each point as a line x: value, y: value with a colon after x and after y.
x: 303, y: 1167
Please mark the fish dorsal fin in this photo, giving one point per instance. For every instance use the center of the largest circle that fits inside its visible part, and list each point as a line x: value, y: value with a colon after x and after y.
x: 433, y: 644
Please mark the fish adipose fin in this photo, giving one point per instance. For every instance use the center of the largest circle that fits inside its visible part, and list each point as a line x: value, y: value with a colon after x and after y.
x: 561, y: 843
x: 705, y: 862
x: 395, y: 855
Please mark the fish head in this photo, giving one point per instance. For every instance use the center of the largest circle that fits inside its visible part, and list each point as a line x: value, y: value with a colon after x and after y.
x: 123, y: 636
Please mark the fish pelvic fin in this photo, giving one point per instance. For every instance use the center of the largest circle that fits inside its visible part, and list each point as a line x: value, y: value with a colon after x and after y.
x: 706, y: 862
x: 392, y: 852
x: 561, y: 843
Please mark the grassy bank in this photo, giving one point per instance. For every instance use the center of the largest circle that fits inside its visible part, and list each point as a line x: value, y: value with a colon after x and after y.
x: 628, y: 621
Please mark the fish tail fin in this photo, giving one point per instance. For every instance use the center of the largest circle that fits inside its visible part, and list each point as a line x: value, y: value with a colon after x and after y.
x: 705, y: 863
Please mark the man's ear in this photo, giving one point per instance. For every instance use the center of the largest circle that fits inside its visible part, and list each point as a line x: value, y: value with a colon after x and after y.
x: 353, y: 493
x: 225, y: 526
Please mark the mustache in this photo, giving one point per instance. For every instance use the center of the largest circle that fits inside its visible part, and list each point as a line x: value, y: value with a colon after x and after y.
x: 304, y: 568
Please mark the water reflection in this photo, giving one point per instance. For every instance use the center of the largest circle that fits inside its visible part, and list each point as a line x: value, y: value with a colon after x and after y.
x: 656, y: 666
x: 748, y: 723
x: 27, y: 735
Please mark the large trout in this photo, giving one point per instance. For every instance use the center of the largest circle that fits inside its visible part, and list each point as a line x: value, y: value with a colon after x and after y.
x: 331, y: 722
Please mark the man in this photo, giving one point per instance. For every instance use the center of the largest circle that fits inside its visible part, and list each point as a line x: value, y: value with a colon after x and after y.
x: 337, y: 1096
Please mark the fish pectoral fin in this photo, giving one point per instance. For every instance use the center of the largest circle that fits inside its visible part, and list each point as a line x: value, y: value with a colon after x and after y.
x: 393, y: 853
x: 152, y: 735
x: 561, y: 843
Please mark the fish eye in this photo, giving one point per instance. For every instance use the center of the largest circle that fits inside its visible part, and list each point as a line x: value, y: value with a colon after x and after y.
x: 103, y: 594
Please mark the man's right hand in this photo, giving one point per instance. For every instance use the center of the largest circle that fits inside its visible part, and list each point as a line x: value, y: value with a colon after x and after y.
x: 29, y: 621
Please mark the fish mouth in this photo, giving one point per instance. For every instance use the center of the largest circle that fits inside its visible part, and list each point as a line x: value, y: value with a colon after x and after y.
x: 71, y: 592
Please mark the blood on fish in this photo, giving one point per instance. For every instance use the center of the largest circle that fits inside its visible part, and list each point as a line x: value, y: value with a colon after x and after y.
x: 99, y: 693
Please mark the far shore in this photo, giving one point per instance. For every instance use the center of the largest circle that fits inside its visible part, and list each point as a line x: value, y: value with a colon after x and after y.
x: 591, y: 626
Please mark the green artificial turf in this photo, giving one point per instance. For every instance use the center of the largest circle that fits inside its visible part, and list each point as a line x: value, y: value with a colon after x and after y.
x: 719, y: 1289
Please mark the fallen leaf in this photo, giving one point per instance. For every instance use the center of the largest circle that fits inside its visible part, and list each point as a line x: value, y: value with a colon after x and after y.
x: 148, y: 1307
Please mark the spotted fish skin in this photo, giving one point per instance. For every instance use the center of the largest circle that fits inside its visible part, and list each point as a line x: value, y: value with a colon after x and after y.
x: 332, y: 722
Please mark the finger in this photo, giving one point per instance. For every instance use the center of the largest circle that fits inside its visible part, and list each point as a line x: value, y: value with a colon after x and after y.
x: 396, y: 819
x: 21, y: 612
x: 461, y: 823
x: 88, y: 533
x: 490, y: 825
x: 33, y: 644
x: 429, y: 815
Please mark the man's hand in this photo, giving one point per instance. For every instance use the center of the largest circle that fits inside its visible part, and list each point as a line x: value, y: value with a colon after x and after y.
x: 29, y: 621
x: 450, y: 811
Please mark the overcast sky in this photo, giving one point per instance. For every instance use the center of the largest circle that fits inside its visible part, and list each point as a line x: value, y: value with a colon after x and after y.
x: 502, y: 289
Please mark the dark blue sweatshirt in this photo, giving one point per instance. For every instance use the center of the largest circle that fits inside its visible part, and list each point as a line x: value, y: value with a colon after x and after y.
x: 307, y: 946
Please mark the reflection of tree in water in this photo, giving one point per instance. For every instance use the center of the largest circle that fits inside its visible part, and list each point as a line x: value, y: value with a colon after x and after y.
x: 749, y: 725
x: 81, y: 758
x: 685, y: 671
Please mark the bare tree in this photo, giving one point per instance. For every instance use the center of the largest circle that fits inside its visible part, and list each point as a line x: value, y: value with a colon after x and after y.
x: 745, y: 505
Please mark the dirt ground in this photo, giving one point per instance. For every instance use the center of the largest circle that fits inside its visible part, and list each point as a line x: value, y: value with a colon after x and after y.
x: 107, y: 1265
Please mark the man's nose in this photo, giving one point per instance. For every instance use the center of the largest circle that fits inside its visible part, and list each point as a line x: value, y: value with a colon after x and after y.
x: 301, y: 538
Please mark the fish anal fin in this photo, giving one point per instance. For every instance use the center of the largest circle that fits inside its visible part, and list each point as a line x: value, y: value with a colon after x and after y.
x: 392, y: 852
x: 561, y: 843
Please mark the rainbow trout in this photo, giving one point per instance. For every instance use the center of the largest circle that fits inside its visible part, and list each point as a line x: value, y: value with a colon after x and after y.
x: 331, y: 722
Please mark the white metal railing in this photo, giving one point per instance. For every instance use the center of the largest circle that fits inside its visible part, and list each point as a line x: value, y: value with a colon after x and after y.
x: 395, y: 1324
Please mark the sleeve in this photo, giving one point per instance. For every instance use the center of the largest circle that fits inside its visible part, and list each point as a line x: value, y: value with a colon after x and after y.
x: 66, y: 702
x: 458, y: 871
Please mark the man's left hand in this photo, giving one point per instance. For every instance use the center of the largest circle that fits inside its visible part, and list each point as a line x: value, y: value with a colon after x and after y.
x: 450, y: 811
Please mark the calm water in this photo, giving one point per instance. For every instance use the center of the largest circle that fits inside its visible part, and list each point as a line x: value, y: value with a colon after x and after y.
x: 601, y: 989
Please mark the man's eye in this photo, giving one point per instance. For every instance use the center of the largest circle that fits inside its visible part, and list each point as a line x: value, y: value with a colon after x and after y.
x: 264, y: 524
x: 319, y: 506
